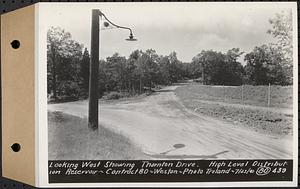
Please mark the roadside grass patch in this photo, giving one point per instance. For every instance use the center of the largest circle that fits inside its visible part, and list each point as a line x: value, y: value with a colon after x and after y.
x: 258, y: 119
x: 70, y: 139
x: 281, y: 96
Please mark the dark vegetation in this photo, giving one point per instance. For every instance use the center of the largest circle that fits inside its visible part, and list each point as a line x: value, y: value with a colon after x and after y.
x: 68, y: 66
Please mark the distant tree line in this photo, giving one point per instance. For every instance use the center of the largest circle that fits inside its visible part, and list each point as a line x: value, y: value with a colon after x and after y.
x: 68, y: 66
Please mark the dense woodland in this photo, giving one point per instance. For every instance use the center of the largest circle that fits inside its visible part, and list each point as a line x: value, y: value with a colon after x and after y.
x: 68, y: 66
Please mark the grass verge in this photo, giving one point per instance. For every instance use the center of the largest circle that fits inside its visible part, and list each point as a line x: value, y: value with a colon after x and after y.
x: 258, y: 119
x: 280, y: 96
x: 70, y: 139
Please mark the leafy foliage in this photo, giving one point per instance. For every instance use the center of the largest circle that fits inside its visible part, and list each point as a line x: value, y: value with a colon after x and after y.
x: 282, y: 30
x: 218, y: 68
x: 85, y: 71
x: 63, y: 66
x: 273, y: 63
x: 68, y: 66
x: 263, y: 66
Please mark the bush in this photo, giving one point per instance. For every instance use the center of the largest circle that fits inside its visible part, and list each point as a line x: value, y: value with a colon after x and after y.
x: 114, y: 95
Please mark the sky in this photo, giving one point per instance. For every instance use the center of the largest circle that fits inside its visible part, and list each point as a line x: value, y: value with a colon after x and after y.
x: 186, y: 28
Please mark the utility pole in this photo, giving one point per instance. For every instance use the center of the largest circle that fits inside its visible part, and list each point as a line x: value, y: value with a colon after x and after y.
x: 94, y: 72
x: 93, y: 116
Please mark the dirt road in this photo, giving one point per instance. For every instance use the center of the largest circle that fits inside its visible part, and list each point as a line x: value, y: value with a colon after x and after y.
x: 159, y: 122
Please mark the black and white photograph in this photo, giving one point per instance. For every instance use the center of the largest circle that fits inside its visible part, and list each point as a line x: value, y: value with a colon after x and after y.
x: 150, y: 94
x: 165, y: 92
x: 163, y: 81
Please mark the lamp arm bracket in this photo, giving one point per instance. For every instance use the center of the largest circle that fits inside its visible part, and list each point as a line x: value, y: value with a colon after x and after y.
x: 121, y: 27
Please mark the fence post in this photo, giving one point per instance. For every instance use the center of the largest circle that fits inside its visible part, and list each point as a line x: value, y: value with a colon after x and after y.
x: 224, y: 93
x: 269, y: 95
x: 243, y: 94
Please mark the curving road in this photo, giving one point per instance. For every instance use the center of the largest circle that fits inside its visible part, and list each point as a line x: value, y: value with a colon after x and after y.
x: 165, y: 129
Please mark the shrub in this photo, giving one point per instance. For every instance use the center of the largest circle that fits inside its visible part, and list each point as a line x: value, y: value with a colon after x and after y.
x: 114, y: 95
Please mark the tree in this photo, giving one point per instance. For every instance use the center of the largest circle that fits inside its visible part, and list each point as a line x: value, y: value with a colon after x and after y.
x: 212, y: 66
x: 164, y: 69
x: 234, y: 69
x: 263, y: 66
x: 255, y: 68
x: 195, y: 68
x: 130, y: 75
x: 63, y: 64
x: 218, y: 68
x: 116, y: 66
x: 104, y: 84
x: 273, y: 63
x: 85, y: 69
x: 175, y: 68
x: 282, y: 30
x: 148, y: 65
x: 137, y: 73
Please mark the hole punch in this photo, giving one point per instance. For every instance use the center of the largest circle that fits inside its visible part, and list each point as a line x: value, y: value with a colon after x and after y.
x: 15, y: 44
x: 16, y: 147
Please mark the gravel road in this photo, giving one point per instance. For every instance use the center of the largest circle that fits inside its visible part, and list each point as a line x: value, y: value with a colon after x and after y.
x: 165, y: 129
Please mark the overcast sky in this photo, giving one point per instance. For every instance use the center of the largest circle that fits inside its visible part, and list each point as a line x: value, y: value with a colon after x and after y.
x: 187, y: 28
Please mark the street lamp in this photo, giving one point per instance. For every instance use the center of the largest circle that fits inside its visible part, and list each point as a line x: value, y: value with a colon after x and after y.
x: 93, y: 107
x: 130, y: 38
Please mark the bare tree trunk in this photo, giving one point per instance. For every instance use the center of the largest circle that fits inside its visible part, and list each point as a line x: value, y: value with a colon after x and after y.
x: 129, y: 87
x: 54, y: 82
x: 140, y: 84
x: 53, y: 72
x: 133, y: 88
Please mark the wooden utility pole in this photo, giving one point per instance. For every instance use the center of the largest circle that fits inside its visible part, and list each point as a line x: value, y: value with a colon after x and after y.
x: 94, y: 72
